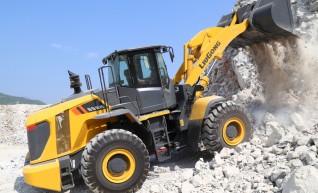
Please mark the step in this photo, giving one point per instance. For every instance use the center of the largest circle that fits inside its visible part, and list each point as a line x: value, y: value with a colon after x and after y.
x: 161, y: 144
x: 157, y: 129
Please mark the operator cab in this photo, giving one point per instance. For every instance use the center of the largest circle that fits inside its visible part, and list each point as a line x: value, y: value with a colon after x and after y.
x: 140, y: 75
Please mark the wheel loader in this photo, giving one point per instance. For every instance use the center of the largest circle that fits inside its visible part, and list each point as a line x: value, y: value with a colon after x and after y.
x: 108, y: 135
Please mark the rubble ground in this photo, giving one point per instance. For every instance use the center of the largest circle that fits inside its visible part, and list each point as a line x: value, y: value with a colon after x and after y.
x: 276, y: 82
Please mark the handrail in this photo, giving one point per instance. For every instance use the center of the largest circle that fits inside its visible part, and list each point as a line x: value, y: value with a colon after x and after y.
x: 105, y: 91
x: 88, y: 82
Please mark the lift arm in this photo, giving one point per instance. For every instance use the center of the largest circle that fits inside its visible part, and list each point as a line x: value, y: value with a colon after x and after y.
x: 206, y: 46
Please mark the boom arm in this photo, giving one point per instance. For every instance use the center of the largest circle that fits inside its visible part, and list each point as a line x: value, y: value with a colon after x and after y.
x: 206, y: 46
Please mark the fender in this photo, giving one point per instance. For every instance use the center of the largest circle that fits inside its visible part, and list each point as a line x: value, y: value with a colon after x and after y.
x: 200, y: 111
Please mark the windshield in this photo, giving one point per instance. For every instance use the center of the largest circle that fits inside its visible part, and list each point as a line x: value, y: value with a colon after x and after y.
x: 121, y: 71
x: 134, y: 70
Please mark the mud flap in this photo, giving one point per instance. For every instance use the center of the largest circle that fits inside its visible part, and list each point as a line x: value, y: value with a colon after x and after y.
x: 268, y: 19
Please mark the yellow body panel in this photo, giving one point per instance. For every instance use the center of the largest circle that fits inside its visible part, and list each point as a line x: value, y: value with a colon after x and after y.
x: 82, y: 126
x: 154, y: 114
x: 199, y: 107
x: 45, y: 175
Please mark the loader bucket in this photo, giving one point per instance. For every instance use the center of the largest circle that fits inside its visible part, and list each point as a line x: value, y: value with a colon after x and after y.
x: 268, y: 19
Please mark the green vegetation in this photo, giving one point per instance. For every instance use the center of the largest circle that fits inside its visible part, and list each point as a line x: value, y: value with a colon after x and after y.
x: 11, y: 100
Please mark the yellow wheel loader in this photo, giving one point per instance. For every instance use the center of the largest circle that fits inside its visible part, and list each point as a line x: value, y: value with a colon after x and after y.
x: 108, y: 135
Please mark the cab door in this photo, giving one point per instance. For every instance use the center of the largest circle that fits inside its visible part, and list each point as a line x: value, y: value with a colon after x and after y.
x: 126, y: 88
x: 150, y: 95
x: 166, y: 82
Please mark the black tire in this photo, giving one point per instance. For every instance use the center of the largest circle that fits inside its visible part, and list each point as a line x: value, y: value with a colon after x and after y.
x: 227, y: 125
x: 109, y: 147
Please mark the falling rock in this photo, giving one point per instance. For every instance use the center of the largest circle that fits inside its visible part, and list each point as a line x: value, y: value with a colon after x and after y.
x: 186, y: 187
x: 298, y: 121
x: 230, y: 171
x: 302, y: 180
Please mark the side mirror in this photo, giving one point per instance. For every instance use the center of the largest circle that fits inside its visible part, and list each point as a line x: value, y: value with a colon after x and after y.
x: 171, y: 53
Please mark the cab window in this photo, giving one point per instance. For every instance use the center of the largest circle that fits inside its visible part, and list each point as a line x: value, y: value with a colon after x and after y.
x: 146, y: 73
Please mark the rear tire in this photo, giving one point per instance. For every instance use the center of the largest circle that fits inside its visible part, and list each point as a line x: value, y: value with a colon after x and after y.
x: 227, y: 125
x: 115, y: 161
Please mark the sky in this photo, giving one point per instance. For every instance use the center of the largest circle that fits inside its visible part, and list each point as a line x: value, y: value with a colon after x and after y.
x: 41, y: 40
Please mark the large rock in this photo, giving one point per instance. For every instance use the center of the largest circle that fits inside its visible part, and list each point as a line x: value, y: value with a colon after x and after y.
x: 298, y: 121
x: 276, y: 133
x: 186, y: 175
x: 310, y: 158
x: 217, y: 161
x: 230, y: 171
x: 302, y: 180
x: 197, y: 181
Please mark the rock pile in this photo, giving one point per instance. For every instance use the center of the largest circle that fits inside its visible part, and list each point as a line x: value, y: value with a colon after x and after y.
x: 12, y: 123
x: 277, y: 84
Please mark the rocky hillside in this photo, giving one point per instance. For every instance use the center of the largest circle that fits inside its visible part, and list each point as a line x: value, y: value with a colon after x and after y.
x: 11, y: 100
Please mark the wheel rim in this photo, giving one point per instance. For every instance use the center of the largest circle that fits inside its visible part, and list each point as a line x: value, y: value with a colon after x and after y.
x: 233, y: 131
x: 118, y: 165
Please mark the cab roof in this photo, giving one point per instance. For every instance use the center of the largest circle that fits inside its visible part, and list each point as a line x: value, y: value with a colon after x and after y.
x: 116, y: 52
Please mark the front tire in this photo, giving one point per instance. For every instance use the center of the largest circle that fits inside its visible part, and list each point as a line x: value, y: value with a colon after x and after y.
x: 227, y: 125
x: 115, y: 161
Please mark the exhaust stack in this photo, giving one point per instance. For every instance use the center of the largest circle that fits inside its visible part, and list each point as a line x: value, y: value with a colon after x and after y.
x: 75, y: 82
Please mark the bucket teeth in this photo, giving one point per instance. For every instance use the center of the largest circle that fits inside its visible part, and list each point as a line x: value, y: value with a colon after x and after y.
x: 269, y: 20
